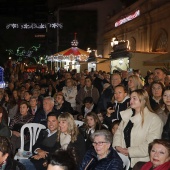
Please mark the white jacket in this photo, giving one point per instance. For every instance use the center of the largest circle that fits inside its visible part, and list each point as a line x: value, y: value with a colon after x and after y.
x: 70, y: 96
x: 141, y: 136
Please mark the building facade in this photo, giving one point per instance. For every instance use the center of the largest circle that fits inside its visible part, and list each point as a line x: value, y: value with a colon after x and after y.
x: 145, y: 24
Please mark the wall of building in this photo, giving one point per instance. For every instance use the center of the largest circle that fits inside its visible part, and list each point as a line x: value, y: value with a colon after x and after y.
x: 145, y: 30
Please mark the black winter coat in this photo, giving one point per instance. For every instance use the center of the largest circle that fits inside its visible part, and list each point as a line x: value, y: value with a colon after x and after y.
x: 166, y: 130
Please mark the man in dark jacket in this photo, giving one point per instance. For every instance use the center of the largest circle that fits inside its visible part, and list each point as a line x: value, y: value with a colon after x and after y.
x: 41, y: 115
x: 45, y: 145
x: 61, y: 105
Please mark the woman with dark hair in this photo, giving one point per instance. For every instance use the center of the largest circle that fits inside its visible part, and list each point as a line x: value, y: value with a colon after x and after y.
x: 92, y: 123
x: 17, y: 122
x: 62, y: 160
x: 159, y: 152
x: 4, y: 129
x: 88, y: 106
x: 87, y: 91
x: 6, y: 161
x: 139, y: 127
x: 156, y: 90
x: 10, y: 104
x: 164, y: 110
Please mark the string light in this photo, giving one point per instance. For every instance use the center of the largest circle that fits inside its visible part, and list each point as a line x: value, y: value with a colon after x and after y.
x: 34, y: 25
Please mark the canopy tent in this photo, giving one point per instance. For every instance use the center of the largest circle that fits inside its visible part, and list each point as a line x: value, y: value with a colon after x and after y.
x: 161, y: 60
x: 71, y: 54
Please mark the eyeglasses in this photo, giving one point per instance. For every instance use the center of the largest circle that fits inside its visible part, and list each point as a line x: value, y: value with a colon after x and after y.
x: 98, y: 143
x: 159, y: 88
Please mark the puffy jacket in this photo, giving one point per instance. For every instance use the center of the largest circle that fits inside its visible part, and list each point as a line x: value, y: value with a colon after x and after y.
x: 111, y: 162
x: 141, y: 135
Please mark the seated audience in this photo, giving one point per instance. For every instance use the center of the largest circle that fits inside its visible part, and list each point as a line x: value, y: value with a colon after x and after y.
x: 139, y: 127
x: 17, y: 122
x: 166, y: 130
x: 164, y: 110
x: 159, y: 152
x: 34, y: 108
x: 45, y: 145
x: 6, y: 158
x: 62, y: 160
x: 92, y: 123
x: 61, y: 105
x: 156, y: 95
x: 69, y: 92
x: 41, y: 115
x: 88, y: 106
x: 102, y: 155
x: 121, y: 102
x: 4, y: 129
x: 114, y: 126
x: 87, y: 91
x: 69, y: 136
x: 134, y: 82
x: 10, y: 104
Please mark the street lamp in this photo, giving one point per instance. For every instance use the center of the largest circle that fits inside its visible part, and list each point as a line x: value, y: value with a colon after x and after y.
x: 114, y: 41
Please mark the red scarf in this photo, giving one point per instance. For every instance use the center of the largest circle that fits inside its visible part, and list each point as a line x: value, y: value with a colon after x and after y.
x: 148, y: 165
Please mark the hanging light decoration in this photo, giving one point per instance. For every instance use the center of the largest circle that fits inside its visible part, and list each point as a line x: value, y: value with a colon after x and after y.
x: 74, y: 43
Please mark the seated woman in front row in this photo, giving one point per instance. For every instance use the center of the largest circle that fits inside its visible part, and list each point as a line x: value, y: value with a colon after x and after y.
x: 102, y: 156
x: 159, y: 151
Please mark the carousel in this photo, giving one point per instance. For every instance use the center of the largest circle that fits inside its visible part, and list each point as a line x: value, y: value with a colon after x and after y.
x: 69, y: 59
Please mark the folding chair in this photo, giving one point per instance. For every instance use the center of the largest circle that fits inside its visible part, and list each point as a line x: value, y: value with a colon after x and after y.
x: 79, y: 123
x: 34, y: 130
x: 126, y: 161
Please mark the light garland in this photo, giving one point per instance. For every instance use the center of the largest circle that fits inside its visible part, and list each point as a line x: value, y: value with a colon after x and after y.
x: 34, y: 25
x: 22, y: 52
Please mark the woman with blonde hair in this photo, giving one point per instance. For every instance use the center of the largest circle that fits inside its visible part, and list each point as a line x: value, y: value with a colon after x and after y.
x: 69, y: 136
x: 134, y: 82
x: 139, y: 127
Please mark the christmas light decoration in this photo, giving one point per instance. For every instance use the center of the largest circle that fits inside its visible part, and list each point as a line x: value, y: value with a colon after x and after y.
x: 34, y: 25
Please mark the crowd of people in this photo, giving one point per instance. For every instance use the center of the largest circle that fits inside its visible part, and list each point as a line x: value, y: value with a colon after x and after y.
x: 122, y: 113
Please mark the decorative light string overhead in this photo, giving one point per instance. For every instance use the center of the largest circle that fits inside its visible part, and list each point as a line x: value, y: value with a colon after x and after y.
x: 34, y: 25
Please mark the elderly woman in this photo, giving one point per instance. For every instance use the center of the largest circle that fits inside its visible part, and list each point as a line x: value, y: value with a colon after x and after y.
x: 102, y: 156
x: 6, y: 161
x: 159, y: 151
x: 139, y: 127
x: 156, y: 90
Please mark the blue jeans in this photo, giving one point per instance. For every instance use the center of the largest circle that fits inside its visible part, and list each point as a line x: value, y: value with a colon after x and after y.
x: 28, y: 164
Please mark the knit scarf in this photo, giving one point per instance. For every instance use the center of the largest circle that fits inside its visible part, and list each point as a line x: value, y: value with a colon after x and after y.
x: 65, y: 139
x: 148, y: 166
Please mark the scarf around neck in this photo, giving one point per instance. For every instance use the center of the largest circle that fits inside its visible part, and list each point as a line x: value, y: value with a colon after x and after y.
x: 148, y: 166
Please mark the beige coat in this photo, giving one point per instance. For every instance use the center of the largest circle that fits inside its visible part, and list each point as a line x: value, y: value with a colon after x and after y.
x: 141, y: 136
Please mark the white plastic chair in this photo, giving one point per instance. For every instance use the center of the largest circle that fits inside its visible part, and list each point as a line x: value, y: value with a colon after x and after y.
x: 126, y: 161
x: 34, y: 130
x: 79, y: 123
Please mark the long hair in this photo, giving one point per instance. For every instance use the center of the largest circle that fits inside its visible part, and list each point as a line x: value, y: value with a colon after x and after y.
x: 162, y: 102
x: 72, y: 127
x: 137, y: 82
x: 144, y: 100
x: 98, y: 124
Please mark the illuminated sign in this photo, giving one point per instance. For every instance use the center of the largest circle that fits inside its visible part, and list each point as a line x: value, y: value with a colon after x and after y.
x: 128, y: 18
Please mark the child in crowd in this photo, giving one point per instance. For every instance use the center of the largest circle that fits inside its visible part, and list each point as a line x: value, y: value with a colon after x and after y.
x: 114, y: 126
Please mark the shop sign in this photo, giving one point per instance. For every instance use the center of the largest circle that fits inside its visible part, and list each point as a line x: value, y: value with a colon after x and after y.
x: 128, y: 18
